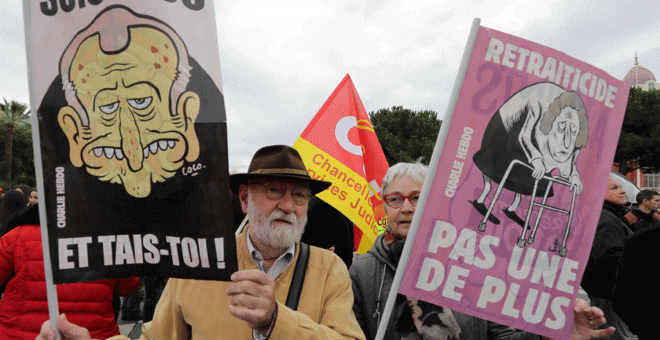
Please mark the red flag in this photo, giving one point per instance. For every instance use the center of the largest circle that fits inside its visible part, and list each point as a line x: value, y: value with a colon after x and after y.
x: 339, y: 145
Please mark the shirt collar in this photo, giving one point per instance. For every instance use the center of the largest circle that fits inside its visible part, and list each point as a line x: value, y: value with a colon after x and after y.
x: 280, y: 264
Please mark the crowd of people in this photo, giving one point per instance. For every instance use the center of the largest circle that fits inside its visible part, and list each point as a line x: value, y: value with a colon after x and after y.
x: 271, y: 298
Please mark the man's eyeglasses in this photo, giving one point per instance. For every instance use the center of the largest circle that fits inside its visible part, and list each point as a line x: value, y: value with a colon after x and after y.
x: 299, y: 195
x: 396, y: 200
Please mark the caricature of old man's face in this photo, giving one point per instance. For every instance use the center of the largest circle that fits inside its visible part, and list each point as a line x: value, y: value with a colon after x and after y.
x: 563, y: 134
x: 135, y: 135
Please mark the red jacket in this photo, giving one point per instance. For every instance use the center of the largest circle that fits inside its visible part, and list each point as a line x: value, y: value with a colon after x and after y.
x: 24, y: 305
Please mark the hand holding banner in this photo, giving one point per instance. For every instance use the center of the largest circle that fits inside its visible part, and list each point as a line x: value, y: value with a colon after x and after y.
x: 130, y: 140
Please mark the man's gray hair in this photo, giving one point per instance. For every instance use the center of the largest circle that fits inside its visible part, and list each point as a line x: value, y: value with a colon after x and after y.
x: 415, y: 171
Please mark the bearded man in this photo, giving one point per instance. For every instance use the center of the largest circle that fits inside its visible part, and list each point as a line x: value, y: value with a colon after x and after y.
x: 274, y: 193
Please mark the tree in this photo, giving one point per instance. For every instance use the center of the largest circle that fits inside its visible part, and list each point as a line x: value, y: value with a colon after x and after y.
x: 12, y: 114
x: 22, y: 169
x: 639, y: 143
x: 406, y: 135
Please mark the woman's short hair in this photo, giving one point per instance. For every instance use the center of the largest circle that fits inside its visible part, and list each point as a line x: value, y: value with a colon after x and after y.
x: 26, y: 190
x: 415, y: 171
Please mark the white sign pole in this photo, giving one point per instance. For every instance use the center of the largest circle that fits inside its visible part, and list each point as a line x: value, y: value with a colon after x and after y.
x: 51, y: 291
x: 458, y: 84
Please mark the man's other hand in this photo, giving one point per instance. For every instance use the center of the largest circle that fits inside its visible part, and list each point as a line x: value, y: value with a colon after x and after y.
x: 252, y: 298
x: 587, y: 319
x: 68, y: 330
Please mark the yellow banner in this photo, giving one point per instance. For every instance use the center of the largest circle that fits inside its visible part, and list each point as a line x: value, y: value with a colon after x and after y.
x: 349, y: 192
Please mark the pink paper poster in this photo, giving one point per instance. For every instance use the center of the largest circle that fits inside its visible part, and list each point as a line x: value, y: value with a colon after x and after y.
x: 509, y: 222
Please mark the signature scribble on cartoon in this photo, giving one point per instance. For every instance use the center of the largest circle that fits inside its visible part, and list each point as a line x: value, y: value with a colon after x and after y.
x: 537, y: 130
x: 192, y: 170
x: 129, y: 119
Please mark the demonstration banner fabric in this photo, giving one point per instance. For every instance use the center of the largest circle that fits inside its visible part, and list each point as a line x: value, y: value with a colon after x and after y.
x: 508, y: 224
x: 133, y: 138
x: 340, y: 146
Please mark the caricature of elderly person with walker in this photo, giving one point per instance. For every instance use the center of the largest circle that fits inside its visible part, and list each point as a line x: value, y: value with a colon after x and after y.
x: 540, y: 128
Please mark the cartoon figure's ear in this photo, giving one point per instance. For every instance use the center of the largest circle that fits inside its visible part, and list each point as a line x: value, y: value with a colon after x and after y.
x: 71, y: 125
x: 188, y: 105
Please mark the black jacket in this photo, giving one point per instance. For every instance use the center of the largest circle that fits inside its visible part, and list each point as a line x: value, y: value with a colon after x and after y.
x: 636, y: 291
x: 644, y: 220
x: 606, y: 256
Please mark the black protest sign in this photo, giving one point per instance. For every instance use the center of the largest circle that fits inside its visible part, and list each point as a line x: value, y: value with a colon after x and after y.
x: 133, y: 139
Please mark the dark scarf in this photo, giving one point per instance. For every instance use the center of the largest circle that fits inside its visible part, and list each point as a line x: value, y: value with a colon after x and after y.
x: 620, y: 211
x: 416, y: 319
x: 616, y: 209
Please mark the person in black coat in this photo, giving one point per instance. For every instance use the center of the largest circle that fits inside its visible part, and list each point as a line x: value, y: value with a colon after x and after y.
x: 643, y: 214
x: 329, y: 229
x: 606, y: 260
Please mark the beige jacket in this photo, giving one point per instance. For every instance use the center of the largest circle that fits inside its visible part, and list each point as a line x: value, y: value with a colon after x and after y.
x: 196, y: 309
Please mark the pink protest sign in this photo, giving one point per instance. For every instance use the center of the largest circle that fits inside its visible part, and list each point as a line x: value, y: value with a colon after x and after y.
x: 508, y: 224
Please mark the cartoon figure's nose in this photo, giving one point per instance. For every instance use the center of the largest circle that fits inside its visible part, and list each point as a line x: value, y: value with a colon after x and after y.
x: 567, y: 139
x: 131, y: 144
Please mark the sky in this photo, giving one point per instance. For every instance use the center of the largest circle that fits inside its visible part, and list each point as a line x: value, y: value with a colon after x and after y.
x: 282, y: 59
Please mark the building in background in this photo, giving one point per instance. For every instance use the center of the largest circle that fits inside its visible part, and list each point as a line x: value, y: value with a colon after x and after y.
x: 641, y: 78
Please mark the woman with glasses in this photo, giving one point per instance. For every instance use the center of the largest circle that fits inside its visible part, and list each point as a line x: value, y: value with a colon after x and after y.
x: 373, y: 272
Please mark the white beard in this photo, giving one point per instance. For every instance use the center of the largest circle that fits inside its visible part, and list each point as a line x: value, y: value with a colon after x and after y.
x: 275, y: 236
